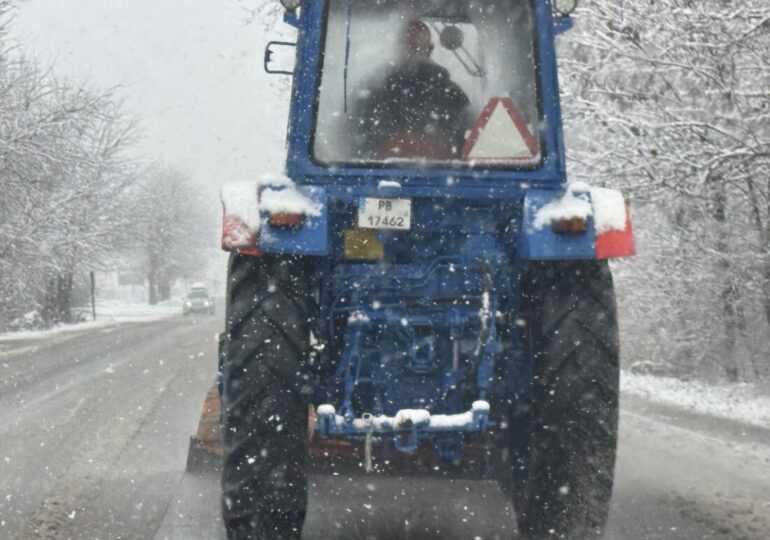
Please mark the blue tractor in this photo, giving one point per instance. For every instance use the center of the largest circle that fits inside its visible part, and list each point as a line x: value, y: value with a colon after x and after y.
x: 422, y: 290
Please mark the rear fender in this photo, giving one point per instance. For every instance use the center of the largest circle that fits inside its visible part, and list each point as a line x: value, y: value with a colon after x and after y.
x: 311, y: 238
x: 248, y: 206
x: 608, y: 231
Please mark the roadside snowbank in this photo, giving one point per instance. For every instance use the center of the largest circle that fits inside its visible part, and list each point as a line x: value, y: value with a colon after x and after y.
x: 740, y: 402
x: 107, y: 313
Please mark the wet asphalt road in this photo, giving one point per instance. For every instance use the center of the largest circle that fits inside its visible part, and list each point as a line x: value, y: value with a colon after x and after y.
x: 94, y: 427
x: 94, y: 430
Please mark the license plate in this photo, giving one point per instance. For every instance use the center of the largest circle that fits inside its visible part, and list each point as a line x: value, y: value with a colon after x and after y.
x: 384, y: 213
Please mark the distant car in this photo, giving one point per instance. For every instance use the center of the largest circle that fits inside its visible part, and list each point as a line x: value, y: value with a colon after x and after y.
x: 198, y: 301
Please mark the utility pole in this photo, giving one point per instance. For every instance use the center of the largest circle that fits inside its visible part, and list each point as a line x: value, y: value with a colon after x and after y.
x: 93, y: 295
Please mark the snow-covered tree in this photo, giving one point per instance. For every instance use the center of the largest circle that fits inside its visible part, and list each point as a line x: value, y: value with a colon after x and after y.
x: 64, y: 175
x: 173, y: 229
x: 669, y: 99
x: 74, y: 197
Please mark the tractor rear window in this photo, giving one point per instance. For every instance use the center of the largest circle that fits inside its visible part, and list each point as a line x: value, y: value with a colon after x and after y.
x: 428, y: 82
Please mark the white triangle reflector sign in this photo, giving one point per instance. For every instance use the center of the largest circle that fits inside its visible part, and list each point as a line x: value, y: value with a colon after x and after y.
x: 500, y: 134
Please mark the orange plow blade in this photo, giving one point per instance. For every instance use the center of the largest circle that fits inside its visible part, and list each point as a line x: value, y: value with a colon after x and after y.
x: 205, y: 450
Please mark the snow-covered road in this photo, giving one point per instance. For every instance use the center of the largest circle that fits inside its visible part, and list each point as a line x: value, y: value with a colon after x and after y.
x: 93, y: 441
x: 679, y: 477
x: 94, y: 426
x: 685, y: 477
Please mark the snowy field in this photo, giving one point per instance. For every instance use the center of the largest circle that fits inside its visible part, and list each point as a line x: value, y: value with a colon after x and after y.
x: 740, y: 402
x: 108, y: 312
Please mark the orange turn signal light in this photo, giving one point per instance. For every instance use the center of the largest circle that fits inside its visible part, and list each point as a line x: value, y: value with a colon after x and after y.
x: 285, y: 220
x: 573, y: 225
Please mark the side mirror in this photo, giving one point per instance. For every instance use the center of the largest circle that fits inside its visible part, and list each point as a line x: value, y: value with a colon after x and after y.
x: 282, y: 53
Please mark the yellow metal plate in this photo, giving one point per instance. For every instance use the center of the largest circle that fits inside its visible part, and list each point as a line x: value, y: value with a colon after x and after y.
x: 362, y: 245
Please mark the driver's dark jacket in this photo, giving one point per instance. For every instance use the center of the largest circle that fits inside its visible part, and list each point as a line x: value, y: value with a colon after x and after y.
x: 416, y: 98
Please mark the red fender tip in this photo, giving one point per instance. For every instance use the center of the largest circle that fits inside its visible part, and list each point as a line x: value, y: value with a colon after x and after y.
x: 615, y: 244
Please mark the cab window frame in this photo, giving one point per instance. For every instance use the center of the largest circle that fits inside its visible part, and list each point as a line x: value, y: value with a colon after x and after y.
x: 451, y: 164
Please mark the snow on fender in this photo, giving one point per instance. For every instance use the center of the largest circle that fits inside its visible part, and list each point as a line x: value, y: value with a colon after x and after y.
x: 609, y: 222
x: 240, y: 216
x: 240, y: 212
x: 244, y: 203
x: 612, y: 222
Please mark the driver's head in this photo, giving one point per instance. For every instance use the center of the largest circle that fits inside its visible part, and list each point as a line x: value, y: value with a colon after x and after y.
x: 415, y: 40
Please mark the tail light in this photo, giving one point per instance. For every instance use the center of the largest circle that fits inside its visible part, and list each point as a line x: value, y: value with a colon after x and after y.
x: 285, y: 220
x: 573, y: 225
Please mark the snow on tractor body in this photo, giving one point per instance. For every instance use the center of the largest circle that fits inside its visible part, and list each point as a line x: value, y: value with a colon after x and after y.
x: 422, y: 281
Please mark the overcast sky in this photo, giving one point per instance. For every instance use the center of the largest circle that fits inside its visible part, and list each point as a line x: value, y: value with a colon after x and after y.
x: 191, y: 71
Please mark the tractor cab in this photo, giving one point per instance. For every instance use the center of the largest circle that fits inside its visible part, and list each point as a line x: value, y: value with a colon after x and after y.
x: 423, y: 89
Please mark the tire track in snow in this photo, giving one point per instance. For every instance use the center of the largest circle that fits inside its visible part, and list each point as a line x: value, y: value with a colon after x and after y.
x: 56, y: 517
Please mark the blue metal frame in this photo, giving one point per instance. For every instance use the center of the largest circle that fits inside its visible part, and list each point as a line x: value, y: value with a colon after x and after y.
x: 310, y: 239
x: 531, y: 243
x: 419, y: 329
x: 543, y: 243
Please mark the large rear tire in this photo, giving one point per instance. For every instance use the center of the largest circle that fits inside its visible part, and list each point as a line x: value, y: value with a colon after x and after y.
x: 264, y: 414
x: 564, y: 487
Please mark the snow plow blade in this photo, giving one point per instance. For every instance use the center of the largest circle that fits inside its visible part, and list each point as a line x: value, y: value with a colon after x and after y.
x: 205, y: 451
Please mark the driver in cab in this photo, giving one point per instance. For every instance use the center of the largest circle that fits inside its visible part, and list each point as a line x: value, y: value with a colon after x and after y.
x: 418, y: 112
